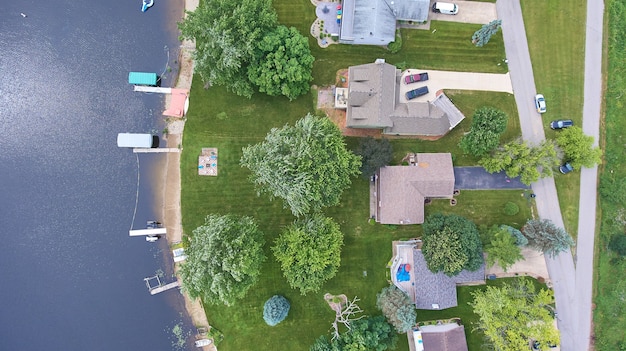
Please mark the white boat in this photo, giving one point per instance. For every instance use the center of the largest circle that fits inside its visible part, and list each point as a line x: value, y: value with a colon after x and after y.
x: 203, y: 342
x: 152, y: 238
x: 146, y: 4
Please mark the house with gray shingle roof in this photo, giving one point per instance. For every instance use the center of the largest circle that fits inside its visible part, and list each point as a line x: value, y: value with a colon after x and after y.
x: 400, y: 191
x: 373, y: 22
x: 374, y: 102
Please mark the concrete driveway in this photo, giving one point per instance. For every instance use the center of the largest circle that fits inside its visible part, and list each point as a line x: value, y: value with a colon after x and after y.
x: 438, y: 80
x: 469, y: 12
x: 476, y: 178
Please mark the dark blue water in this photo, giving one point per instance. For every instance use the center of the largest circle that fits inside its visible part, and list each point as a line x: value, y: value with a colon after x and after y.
x: 71, y: 277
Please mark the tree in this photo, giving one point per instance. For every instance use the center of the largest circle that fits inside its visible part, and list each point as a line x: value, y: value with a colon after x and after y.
x: 546, y: 237
x: 346, y: 315
x: 309, y: 252
x: 520, y: 239
x: 374, y: 155
x: 373, y: 334
x: 518, y: 159
x: 306, y: 165
x: 226, y: 34
x: 397, y: 307
x: 501, y: 248
x: 511, y: 315
x: 223, y: 259
x: 488, y: 124
x: 282, y: 63
x: 275, y: 310
x: 618, y: 244
x: 451, y: 244
x: 578, y: 148
x: 482, y: 36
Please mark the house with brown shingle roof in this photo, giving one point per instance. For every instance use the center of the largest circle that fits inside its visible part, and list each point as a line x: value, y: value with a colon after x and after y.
x: 374, y: 102
x: 439, y: 337
x: 400, y: 191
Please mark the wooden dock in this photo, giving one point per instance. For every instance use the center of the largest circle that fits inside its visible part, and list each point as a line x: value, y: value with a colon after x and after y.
x: 146, y: 89
x: 165, y: 287
x: 155, y: 150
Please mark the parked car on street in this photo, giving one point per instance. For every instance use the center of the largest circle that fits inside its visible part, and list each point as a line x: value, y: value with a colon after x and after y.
x: 412, y: 78
x: 566, y: 168
x: 561, y: 123
x: 412, y: 94
x: 540, y: 103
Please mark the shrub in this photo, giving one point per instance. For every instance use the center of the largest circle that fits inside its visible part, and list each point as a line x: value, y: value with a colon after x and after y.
x: 396, y: 45
x: 520, y: 239
x: 275, y: 310
x: 511, y: 209
x: 618, y: 244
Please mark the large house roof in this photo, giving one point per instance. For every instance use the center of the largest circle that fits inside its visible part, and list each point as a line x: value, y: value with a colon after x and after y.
x: 447, y: 337
x: 434, y: 291
x: 373, y: 22
x: 401, y: 190
x: 374, y: 102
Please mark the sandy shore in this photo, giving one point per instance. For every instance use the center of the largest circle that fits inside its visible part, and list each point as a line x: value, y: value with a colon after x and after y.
x: 171, y: 212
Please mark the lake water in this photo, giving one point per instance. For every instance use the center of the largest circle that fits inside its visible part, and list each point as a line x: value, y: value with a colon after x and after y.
x: 72, y: 278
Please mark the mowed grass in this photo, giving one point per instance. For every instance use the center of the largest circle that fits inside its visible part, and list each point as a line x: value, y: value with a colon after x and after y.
x: 556, y: 39
x: 610, y: 289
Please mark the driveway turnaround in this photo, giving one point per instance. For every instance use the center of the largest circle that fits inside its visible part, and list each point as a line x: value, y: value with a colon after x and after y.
x: 476, y: 178
x: 469, y: 12
x: 438, y: 80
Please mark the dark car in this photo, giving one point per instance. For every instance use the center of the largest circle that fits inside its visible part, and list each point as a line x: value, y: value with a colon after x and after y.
x: 566, y: 168
x: 412, y: 78
x: 416, y: 92
x: 561, y: 123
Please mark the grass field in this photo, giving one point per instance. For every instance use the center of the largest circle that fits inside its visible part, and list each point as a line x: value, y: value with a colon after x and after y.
x: 556, y: 39
x: 610, y: 312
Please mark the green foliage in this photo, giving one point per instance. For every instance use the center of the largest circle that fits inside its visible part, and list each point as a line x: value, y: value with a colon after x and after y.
x: 374, y: 155
x: 501, y: 247
x: 618, y: 244
x: 451, y: 244
x: 309, y: 252
x: 275, y: 310
x: 322, y: 344
x: 545, y: 236
x: 612, y: 188
x: 395, y: 46
x: 397, y: 307
x: 306, y: 165
x: 578, y: 148
x: 372, y: 334
x: 223, y: 259
x: 512, y: 315
x: 511, y: 209
x: 226, y: 34
x: 518, y: 159
x: 283, y: 63
x: 520, y: 239
x: 482, y: 36
x: 488, y: 124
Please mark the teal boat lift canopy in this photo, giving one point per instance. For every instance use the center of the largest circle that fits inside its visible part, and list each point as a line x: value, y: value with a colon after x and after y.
x: 142, y: 78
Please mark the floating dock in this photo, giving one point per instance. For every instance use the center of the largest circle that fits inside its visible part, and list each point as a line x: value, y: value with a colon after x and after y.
x: 165, y: 287
x: 153, y: 231
x: 156, y: 150
x: 146, y: 89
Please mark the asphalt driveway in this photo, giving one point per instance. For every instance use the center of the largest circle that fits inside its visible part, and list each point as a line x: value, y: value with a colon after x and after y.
x: 476, y: 178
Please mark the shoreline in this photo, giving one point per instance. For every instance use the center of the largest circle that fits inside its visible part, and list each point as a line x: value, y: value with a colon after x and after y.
x: 171, y: 179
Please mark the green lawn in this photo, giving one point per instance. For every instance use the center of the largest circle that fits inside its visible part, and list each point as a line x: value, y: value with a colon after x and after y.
x: 610, y: 289
x: 556, y: 39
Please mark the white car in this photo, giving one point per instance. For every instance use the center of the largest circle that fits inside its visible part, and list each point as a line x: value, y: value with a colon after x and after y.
x: 540, y: 103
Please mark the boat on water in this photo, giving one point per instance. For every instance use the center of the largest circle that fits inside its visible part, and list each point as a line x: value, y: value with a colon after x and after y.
x: 152, y: 238
x: 146, y: 4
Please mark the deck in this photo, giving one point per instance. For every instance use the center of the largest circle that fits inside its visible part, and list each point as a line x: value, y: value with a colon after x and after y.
x: 403, y: 254
x: 207, y: 162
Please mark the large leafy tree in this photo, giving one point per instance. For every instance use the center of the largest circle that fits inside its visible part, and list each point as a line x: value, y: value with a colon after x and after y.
x: 578, y: 148
x: 371, y: 334
x: 451, y: 244
x: 226, y: 34
x: 528, y: 162
x: 397, y: 307
x: 545, y: 236
x: 511, y: 315
x: 488, y: 124
x: 223, y: 259
x: 309, y: 252
x: 501, y: 247
x: 307, y: 165
x: 374, y: 154
x: 283, y: 63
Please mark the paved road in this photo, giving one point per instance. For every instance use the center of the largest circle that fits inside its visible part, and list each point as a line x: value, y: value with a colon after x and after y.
x: 561, y: 267
x: 588, y: 176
